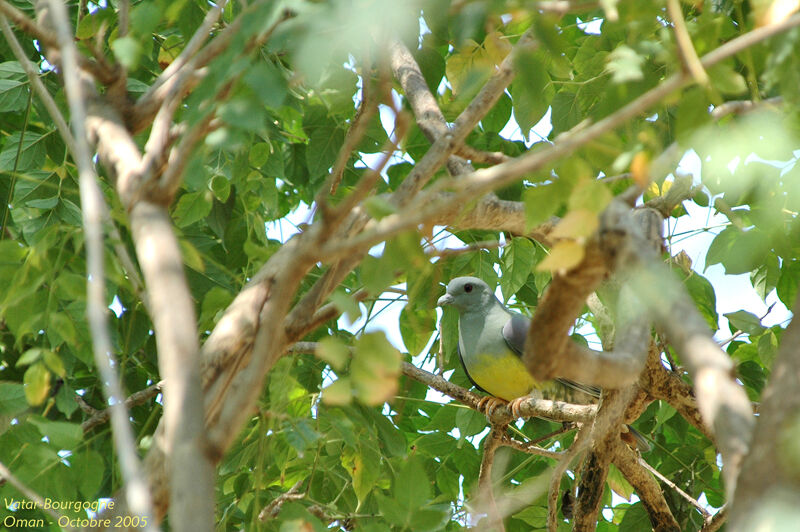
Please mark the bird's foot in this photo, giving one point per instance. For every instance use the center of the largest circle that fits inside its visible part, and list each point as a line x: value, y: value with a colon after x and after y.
x: 515, y: 406
x: 487, y: 405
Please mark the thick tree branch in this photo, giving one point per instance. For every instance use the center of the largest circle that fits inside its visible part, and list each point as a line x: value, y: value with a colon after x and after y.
x: 770, y: 474
x: 647, y: 489
x: 92, y: 212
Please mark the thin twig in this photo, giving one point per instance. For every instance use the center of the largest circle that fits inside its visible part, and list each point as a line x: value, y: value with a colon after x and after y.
x: 272, y: 509
x: 452, y: 252
x: 686, y: 51
x: 674, y: 486
x: 358, y: 127
x: 716, y: 521
x: 530, y: 448
x: 137, y: 491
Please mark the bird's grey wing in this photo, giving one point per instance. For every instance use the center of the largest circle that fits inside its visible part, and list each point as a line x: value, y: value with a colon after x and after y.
x: 593, y: 391
x: 516, y: 330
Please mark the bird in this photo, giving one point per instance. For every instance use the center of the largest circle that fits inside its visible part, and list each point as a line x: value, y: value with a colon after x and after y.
x: 491, y: 340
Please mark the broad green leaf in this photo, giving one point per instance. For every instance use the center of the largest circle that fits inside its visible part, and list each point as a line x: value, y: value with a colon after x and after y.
x: 531, y: 92
x: 12, y: 398
x: 516, y: 263
x: 89, y: 467
x: 192, y: 207
x: 62, y: 435
x: 128, y: 51
x: 416, y: 328
x: 13, y: 95
x: 742, y: 320
x: 324, y: 141
x: 788, y: 282
x: 30, y: 155
x: 617, y: 482
x: 625, y: 65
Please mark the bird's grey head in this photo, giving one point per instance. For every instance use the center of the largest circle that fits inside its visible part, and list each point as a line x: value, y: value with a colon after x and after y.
x: 467, y: 293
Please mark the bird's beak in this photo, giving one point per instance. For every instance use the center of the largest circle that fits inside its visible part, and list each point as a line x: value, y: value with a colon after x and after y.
x: 446, y: 299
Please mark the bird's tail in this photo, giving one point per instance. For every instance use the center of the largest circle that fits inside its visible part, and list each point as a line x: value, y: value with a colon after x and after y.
x: 636, y: 439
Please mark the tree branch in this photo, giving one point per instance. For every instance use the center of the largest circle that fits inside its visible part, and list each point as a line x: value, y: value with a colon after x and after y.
x: 92, y: 203
x: 769, y: 473
x: 98, y: 417
x: 647, y: 489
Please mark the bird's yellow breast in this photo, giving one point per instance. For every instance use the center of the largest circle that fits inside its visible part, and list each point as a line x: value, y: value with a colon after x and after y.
x: 502, y: 376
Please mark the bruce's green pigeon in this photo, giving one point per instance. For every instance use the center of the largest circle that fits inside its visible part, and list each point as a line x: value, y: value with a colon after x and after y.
x: 491, y: 339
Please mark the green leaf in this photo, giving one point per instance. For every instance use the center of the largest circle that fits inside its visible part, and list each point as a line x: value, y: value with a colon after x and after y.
x: 741, y: 320
x: 625, y: 65
x: 30, y: 356
x: 13, y: 95
x: 469, y: 422
x: 267, y: 83
x: 61, y: 434
x: 726, y: 80
x: 738, y: 251
x: 221, y: 187
x: 532, y: 91
x: 499, y: 115
x: 635, y: 519
x: 192, y: 207
x: 617, y: 482
x: 788, y: 282
x: 31, y: 154
x: 90, y: 468
x: 128, y: 51
x: 54, y: 363
x: 541, y: 203
x: 416, y: 328
x: 702, y: 292
x: 516, y: 263
x: 324, y: 141
x: 259, y: 154
x: 12, y: 399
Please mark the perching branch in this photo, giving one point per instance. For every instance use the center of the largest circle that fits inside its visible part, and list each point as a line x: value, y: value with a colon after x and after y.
x: 98, y: 417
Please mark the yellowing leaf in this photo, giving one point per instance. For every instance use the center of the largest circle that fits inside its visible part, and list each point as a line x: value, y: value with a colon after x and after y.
x: 640, y: 169
x: 375, y: 369
x: 37, y: 384
x: 563, y: 256
x: 338, y: 393
x: 333, y: 351
x: 496, y: 46
x: 576, y: 224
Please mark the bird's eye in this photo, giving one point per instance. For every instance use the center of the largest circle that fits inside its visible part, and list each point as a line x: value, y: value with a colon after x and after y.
x: 467, y: 288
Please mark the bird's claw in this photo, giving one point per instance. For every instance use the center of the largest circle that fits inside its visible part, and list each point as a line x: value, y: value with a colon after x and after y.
x: 487, y: 405
x: 515, y: 406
